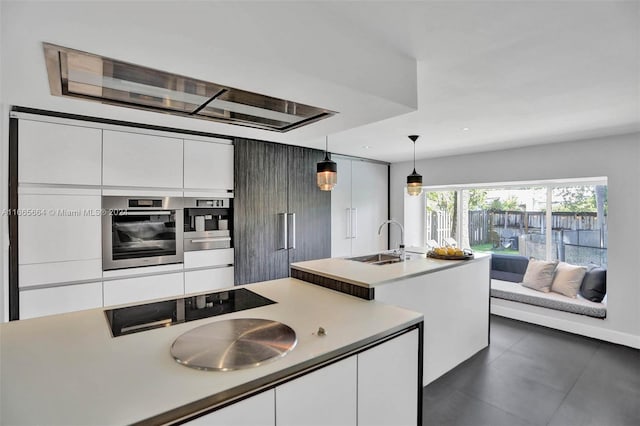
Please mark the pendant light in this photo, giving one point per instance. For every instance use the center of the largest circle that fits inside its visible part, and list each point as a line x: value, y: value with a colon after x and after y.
x: 414, y: 180
x: 327, y: 175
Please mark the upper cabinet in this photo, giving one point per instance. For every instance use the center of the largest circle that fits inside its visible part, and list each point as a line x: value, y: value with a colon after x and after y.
x: 359, y: 204
x: 58, y: 154
x: 208, y: 165
x: 136, y: 160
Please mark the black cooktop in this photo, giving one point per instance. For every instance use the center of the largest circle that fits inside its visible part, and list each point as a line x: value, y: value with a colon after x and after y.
x: 134, y: 319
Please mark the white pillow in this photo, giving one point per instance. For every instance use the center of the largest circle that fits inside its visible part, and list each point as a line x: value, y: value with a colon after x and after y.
x: 568, y: 279
x: 539, y: 275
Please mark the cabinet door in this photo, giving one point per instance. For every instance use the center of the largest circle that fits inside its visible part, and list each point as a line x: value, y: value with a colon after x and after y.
x: 208, y: 279
x: 205, y: 258
x: 325, y: 397
x: 58, y: 300
x: 258, y: 410
x: 139, y: 289
x: 341, y: 211
x: 135, y: 160
x: 62, y: 243
x: 58, y: 154
x: 208, y: 165
x: 370, y: 206
x: 388, y: 382
x: 260, y: 200
x: 310, y: 229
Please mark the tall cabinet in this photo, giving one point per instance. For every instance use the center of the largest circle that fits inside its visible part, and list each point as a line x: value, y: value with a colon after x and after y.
x: 280, y: 215
x: 359, y: 205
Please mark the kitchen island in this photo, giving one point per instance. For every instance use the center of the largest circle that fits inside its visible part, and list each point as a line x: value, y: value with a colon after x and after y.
x: 68, y: 369
x: 453, y: 296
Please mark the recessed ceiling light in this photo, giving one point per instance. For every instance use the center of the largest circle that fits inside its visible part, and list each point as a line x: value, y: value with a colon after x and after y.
x: 366, y: 146
x: 465, y: 129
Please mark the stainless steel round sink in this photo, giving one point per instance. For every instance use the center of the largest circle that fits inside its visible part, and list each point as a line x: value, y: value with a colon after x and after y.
x: 233, y: 344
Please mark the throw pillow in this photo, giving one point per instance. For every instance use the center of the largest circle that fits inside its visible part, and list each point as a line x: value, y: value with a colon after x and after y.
x: 539, y: 275
x: 568, y: 279
x: 594, y: 285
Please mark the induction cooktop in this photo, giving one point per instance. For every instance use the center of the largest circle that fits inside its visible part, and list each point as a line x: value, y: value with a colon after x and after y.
x: 149, y: 316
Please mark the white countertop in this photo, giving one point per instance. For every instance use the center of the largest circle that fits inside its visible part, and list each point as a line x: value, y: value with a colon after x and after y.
x: 67, y: 369
x: 366, y: 275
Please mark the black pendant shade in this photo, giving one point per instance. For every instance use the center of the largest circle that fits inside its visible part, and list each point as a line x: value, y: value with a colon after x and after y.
x: 327, y: 171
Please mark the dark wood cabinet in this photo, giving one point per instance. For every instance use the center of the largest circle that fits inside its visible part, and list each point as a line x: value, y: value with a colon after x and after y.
x: 275, y: 187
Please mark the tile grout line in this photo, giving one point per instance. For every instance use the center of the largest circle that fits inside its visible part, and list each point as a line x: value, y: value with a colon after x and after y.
x: 584, y: 369
x: 492, y: 405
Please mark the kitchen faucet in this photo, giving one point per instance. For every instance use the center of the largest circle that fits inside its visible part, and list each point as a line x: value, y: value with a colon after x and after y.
x: 390, y: 221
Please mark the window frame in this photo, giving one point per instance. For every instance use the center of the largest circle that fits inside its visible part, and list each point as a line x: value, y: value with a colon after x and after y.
x: 549, y: 184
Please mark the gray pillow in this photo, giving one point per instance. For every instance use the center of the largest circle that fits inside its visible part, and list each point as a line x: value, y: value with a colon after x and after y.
x: 568, y: 279
x: 539, y: 275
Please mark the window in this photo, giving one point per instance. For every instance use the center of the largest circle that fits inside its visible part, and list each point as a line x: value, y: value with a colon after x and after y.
x: 563, y: 220
x: 441, y: 216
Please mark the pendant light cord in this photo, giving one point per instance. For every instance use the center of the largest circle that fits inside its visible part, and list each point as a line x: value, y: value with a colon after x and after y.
x: 414, y: 156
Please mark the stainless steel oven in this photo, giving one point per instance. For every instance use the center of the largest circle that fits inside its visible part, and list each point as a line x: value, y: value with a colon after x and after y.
x: 140, y: 231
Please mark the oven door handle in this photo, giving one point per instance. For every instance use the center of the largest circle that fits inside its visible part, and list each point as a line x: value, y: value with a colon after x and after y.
x: 147, y: 213
x: 211, y: 240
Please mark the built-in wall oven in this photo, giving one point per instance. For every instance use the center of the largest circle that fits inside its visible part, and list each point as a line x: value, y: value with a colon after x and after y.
x: 139, y: 231
x: 208, y: 223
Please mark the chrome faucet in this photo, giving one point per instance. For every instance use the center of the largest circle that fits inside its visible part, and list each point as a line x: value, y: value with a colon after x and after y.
x: 390, y: 221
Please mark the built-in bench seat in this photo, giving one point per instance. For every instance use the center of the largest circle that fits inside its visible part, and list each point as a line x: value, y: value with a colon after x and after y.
x: 507, y: 273
x: 518, y: 293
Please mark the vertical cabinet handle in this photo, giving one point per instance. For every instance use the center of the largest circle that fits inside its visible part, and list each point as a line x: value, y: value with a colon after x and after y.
x: 354, y: 223
x: 348, y: 222
x: 291, y: 227
x: 283, y: 237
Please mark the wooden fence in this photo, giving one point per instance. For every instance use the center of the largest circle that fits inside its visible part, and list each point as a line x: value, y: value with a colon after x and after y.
x: 438, y: 226
x: 484, y: 225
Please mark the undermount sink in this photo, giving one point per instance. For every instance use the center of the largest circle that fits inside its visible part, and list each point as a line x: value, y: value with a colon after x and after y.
x: 378, y: 259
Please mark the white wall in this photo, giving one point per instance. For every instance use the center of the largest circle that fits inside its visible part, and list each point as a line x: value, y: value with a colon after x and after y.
x: 617, y: 158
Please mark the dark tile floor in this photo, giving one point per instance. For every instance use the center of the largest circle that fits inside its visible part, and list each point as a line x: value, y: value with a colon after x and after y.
x: 532, y: 375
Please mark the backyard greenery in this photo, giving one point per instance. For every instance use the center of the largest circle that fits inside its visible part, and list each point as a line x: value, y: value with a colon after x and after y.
x: 489, y: 248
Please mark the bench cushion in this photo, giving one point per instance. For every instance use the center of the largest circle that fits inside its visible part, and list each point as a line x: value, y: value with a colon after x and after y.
x: 506, y: 276
x: 517, y: 293
x: 508, y: 267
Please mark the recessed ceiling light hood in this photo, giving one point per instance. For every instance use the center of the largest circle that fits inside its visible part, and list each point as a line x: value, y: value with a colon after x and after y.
x: 87, y: 76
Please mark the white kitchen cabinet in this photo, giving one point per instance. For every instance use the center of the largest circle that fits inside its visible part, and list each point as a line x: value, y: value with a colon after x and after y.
x: 58, y: 300
x: 359, y: 204
x: 138, y: 289
x: 59, y: 236
x: 208, y: 279
x: 137, y: 160
x: 325, y: 397
x: 388, y: 382
x: 204, y: 258
x: 58, y: 154
x: 258, y: 410
x: 369, y: 203
x: 37, y: 274
x: 208, y: 165
x: 341, y: 210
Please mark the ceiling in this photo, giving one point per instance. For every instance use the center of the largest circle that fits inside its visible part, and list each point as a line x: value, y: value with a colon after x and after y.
x: 512, y: 73
x: 467, y: 76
